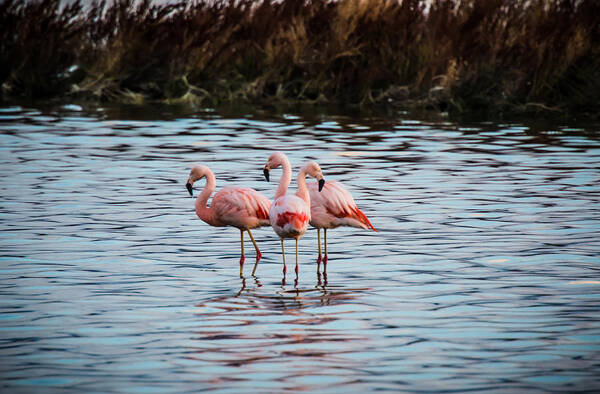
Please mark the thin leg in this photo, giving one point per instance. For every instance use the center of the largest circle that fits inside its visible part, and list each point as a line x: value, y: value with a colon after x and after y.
x: 242, y: 258
x: 319, y: 259
x: 325, y: 258
x: 283, y: 255
x: 296, y: 257
x: 258, y: 254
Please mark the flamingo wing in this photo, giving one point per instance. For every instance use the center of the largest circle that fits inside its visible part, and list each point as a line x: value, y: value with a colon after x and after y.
x: 241, y: 207
x: 336, y: 205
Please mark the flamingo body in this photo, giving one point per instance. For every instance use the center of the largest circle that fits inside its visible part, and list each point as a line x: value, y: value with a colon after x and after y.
x: 289, y: 216
x: 240, y: 207
x: 334, y: 206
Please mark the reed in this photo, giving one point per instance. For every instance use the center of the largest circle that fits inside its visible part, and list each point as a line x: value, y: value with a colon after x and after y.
x: 513, y: 55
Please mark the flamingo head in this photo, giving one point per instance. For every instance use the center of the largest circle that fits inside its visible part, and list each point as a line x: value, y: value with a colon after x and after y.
x: 197, y: 172
x: 275, y: 160
x: 314, y: 170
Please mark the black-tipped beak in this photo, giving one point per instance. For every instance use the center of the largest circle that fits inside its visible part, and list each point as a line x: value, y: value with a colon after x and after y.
x: 188, y: 186
x: 321, y: 184
x: 266, y: 172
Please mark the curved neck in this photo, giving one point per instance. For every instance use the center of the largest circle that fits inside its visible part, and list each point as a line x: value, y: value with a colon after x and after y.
x: 286, y: 178
x: 202, y: 210
x: 302, y: 189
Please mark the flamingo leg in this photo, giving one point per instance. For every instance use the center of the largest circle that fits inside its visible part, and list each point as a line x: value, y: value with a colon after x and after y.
x: 325, y: 258
x: 325, y: 241
x: 258, y: 254
x: 319, y: 259
x: 242, y: 258
x: 283, y: 255
x: 296, y: 257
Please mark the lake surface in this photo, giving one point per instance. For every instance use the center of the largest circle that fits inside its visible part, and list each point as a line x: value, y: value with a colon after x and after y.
x: 484, y: 275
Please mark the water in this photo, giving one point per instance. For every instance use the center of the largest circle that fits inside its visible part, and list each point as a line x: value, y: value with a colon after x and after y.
x: 485, y: 274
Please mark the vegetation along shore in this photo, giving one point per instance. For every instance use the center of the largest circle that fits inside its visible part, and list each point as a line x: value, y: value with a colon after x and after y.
x: 458, y: 56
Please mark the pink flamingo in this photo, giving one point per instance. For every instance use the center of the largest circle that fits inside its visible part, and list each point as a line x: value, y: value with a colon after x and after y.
x: 290, y: 214
x: 239, y: 207
x: 331, y: 207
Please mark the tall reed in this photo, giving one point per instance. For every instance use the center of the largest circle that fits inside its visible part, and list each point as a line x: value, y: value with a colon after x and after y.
x: 446, y: 54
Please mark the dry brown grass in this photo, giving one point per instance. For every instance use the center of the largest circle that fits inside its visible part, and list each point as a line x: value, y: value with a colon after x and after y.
x: 456, y: 55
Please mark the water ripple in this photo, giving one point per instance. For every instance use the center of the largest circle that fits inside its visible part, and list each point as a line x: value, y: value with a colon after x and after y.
x: 484, y: 275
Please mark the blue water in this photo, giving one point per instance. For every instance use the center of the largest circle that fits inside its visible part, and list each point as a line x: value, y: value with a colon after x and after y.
x: 484, y: 275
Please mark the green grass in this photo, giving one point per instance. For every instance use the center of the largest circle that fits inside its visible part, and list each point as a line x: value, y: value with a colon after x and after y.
x: 461, y: 56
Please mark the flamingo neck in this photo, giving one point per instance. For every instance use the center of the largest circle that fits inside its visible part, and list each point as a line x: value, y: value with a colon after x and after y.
x: 205, y: 213
x: 286, y: 178
x: 302, y: 189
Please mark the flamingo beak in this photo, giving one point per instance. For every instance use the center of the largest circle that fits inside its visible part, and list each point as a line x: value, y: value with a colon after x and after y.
x: 321, y: 184
x: 188, y: 186
x: 266, y: 172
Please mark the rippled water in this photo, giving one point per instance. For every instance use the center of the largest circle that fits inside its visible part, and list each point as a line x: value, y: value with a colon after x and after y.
x: 485, y: 274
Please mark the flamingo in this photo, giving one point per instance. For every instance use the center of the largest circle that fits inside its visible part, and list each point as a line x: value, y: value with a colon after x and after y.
x: 290, y: 214
x: 239, y: 207
x: 331, y: 207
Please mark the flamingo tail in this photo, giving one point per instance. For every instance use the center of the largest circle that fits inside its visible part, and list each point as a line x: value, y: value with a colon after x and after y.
x: 363, y: 219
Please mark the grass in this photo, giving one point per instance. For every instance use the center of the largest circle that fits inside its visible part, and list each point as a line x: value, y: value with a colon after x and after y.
x: 461, y: 56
